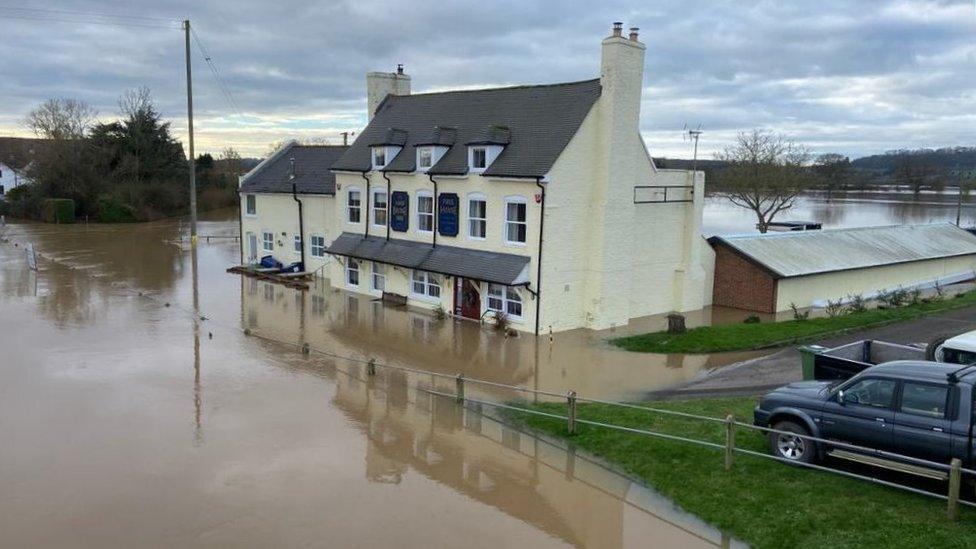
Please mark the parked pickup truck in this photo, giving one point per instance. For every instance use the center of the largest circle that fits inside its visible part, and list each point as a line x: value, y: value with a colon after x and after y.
x: 915, y: 408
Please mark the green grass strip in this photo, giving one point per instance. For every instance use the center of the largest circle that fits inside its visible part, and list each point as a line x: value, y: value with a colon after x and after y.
x: 761, y: 502
x: 741, y: 337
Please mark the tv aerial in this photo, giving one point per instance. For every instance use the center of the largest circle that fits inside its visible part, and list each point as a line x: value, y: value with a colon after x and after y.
x: 688, y: 134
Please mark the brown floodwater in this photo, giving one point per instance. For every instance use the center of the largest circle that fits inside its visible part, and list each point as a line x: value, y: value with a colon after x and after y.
x: 134, y: 411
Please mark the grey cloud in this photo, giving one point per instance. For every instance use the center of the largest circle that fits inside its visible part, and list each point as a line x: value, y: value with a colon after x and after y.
x: 854, y: 76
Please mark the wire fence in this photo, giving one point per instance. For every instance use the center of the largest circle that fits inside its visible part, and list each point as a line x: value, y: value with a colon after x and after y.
x: 954, y: 470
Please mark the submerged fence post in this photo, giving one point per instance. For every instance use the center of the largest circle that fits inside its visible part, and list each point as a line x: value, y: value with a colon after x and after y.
x: 955, y: 479
x: 459, y: 381
x: 371, y: 367
x: 571, y: 412
x: 729, y: 441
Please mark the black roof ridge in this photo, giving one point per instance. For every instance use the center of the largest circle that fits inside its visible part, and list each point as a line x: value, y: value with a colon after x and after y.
x: 499, y: 88
x: 320, y: 145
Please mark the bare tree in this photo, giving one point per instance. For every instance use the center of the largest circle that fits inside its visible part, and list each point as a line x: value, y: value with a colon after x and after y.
x: 834, y: 171
x: 136, y: 101
x: 61, y: 119
x: 916, y: 171
x: 765, y: 172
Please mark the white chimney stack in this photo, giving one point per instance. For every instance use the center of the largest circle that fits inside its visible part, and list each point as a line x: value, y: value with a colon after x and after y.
x: 622, y: 78
x: 381, y: 84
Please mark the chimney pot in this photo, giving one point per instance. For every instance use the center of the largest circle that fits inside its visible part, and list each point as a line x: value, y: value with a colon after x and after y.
x: 617, y: 28
x: 633, y: 33
x: 399, y: 68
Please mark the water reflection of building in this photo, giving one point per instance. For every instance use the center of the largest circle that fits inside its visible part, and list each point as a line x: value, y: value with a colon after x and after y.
x: 553, y: 489
x: 360, y: 326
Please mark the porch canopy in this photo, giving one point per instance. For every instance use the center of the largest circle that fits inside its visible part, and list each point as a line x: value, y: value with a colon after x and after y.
x: 493, y: 267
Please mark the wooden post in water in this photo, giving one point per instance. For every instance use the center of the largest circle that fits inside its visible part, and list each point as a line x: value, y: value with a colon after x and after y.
x: 571, y: 412
x: 729, y: 441
x: 459, y: 382
x: 955, y: 480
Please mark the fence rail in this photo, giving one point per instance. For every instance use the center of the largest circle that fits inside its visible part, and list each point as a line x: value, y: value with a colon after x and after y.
x: 730, y: 448
x: 956, y: 471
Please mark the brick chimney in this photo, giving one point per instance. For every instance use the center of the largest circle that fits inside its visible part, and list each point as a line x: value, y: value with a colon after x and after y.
x: 381, y: 84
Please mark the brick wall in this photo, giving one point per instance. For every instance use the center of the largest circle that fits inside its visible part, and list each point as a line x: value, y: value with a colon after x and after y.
x: 741, y: 284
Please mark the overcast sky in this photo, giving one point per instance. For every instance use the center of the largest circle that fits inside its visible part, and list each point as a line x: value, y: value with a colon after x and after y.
x: 851, y: 76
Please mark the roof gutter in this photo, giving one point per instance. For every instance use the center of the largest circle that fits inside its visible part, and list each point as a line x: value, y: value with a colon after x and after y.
x: 434, y: 226
x: 301, y: 221
x: 389, y: 203
x: 366, y: 219
x: 538, y: 263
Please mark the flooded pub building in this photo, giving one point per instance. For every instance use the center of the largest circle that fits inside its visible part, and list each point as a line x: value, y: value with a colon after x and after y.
x: 538, y: 203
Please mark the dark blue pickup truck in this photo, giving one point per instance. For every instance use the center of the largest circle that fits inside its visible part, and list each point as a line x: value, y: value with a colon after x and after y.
x: 915, y: 408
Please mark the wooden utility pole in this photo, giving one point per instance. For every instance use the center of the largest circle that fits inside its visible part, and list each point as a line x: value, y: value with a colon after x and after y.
x: 189, y: 117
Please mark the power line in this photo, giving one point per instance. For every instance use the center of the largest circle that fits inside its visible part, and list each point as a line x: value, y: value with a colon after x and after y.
x: 221, y: 85
x: 90, y: 14
x: 40, y: 17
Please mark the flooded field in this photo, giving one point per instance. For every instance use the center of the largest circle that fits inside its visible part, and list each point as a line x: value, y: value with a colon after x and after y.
x: 849, y: 209
x: 135, y: 412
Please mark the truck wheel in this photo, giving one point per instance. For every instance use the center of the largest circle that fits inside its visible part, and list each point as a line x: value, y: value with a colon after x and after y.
x: 791, y: 447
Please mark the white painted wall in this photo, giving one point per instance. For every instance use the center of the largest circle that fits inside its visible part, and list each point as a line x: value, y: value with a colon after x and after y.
x: 278, y: 213
x: 804, y: 290
x: 494, y: 190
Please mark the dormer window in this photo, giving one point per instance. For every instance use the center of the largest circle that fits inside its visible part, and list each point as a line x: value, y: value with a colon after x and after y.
x: 425, y: 158
x: 480, y: 157
x: 379, y: 157
x: 428, y: 155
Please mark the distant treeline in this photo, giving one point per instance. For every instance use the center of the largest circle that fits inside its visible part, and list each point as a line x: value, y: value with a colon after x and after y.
x: 915, y: 169
x: 131, y: 169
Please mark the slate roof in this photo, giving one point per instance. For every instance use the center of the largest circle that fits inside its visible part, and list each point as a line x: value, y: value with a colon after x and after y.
x: 535, y: 123
x: 498, y: 268
x: 313, y: 174
x: 800, y: 253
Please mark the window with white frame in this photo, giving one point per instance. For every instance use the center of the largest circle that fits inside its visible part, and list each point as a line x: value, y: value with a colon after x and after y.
x: 504, y: 299
x: 477, y: 216
x: 379, y: 157
x: 380, y: 206
x: 379, y: 277
x: 352, y: 272
x: 425, y: 212
x: 479, y: 158
x: 267, y: 241
x: 425, y: 157
x: 318, y: 245
x: 426, y: 284
x: 515, y: 220
x: 298, y: 244
x: 250, y: 204
x: 354, y: 202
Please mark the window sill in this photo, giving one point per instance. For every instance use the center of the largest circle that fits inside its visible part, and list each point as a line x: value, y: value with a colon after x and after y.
x: 512, y: 319
x: 517, y: 244
x: 251, y: 216
x: 425, y: 298
x: 478, y: 238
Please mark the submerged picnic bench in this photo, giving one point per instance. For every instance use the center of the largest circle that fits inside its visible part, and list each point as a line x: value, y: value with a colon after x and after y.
x: 298, y: 281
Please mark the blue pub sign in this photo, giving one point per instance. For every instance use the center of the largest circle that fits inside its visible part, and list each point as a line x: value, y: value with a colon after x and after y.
x: 399, y: 211
x: 448, y: 206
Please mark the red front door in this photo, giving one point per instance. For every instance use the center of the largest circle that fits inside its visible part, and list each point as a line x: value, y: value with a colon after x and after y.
x: 469, y: 300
